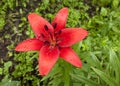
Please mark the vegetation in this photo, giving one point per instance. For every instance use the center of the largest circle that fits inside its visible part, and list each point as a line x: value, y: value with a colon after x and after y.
x: 99, y: 52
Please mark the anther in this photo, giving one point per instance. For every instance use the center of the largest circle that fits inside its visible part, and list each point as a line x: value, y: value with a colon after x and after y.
x: 42, y: 35
x: 46, y: 27
x: 59, y: 32
x: 46, y: 42
x: 55, y: 25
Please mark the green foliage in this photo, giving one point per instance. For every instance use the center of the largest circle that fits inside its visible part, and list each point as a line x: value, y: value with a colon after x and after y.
x: 2, y: 22
x: 0, y: 71
x: 102, y: 2
x: 8, y: 82
x: 6, y: 67
x: 78, y: 78
x: 26, y: 68
x: 105, y: 77
x: 111, y: 75
x: 99, y: 52
x: 114, y: 63
x: 115, y: 3
x: 2, y: 16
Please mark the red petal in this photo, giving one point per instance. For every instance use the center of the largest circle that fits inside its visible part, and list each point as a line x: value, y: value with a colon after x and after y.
x: 71, y: 36
x: 70, y: 56
x: 47, y: 59
x: 60, y: 19
x: 39, y: 25
x: 29, y: 44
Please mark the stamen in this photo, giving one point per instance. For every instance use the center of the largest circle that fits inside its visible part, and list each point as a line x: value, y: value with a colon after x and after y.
x: 42, y: 35
x: 59, y: 32
x: 46, y: 42
x: 46, y: 27
x: 55, y: 25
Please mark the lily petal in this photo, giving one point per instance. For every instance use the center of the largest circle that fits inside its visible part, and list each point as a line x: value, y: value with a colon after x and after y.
x: 47, y: 59
x: 71, y: 36
x: 39, y: 25
x: 70, y: 56
x: 60, y: 19
x: 29, y: 44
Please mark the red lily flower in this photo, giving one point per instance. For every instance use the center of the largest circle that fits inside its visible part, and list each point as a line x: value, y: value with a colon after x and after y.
x: 53, y: 41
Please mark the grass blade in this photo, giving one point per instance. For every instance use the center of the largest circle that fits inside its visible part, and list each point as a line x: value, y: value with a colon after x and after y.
x: 84, y: 80
x: 96, y: 61
x: 115, y: 63
x: 110, y: 81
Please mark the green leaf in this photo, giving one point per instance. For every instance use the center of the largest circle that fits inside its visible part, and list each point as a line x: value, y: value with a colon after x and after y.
x: 6, y: 66
x: 66, y: 75
x: 46, y: 2
x: 95, y: 60
x: 84, y: 80
x: 115, y: 63
x: 1, y: 71
x: 56, y: 82
x: 10, y: 83
x: 2, y: 22
x: 115, y: 3
x: 103, y: 11
x: 7, y: 82
x: 109, y: 80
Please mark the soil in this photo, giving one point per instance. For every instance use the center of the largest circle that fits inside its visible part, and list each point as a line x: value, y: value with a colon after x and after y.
x: 8, y: 36
x: 92, y: 9
x: 10, y: 24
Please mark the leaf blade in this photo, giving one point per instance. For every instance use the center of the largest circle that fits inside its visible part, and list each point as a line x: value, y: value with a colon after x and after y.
x: 84, y: 80
x: 110, y: 81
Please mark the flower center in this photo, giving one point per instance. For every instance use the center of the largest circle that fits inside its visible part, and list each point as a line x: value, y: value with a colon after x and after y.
x: 53, y: 43
x: 51, y: 38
